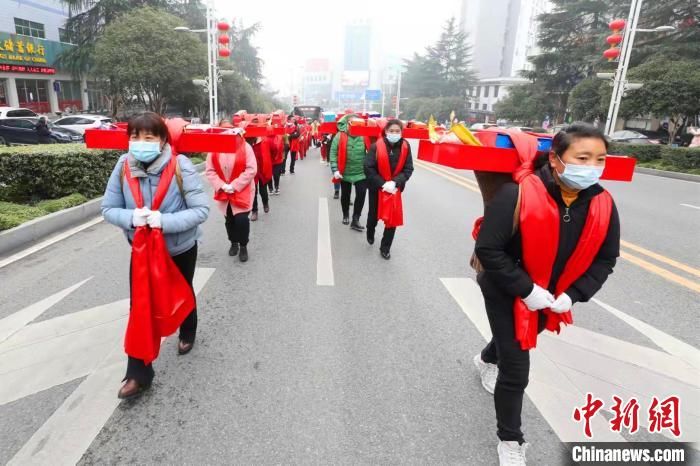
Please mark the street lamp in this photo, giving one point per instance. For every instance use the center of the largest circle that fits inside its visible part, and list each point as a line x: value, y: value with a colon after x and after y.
x: 620, y: 84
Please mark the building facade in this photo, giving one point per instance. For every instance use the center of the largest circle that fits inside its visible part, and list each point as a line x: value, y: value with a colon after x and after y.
x: 484, y: 97
x: 317, y: 82
x: 32, y: 36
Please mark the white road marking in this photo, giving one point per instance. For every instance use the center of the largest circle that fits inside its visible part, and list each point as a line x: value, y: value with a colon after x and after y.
x: 68, y: 433
x: 14, y: 322
x: 46, y: 243
x: 324, y: 256
x: 691, y: 206
x: 565, y: 367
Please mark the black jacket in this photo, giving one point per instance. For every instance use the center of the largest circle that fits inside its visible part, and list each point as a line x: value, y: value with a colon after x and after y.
x: 500, y: 252
x: 42, y: 128
x: 376, y: 181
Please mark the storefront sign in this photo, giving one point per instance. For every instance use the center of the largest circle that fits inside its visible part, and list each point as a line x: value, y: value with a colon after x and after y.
x: 33, y: 53
x: 27, y: 69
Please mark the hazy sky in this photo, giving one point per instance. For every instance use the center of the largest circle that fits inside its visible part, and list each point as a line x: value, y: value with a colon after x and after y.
x: 293, y: 31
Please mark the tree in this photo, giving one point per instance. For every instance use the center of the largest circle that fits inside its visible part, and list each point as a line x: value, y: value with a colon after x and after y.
x: 527, y: 103
x: 590, y: 100
x: 161, y: 61
x: 671, y: 88
x: 445, y: 68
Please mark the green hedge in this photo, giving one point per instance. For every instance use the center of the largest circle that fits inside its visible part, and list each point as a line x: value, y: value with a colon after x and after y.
x: 50, y: 171
x: 12, y: 215
x: 641, y: 152
x: 684, y: 158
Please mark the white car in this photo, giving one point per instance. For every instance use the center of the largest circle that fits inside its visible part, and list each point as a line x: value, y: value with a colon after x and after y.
x: 80, y: 123
x: 16, y: 112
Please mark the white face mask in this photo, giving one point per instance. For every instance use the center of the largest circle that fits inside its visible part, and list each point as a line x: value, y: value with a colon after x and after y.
x: 579, y: 176
x: 393, y: 137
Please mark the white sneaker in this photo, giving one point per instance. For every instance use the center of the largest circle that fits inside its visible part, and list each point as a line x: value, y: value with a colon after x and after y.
x: 512, y: 454
x: 488, y: 373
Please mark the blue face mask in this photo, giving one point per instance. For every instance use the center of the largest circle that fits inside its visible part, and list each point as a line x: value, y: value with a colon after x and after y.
x: 579, y: 176
x: 144, y: 151
x: 393, y: 137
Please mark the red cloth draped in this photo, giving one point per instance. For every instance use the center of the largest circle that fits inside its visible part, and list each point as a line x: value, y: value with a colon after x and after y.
x: 161, y: 298
x: 264, y: 158
x: 539, y: 229
x: 390, y: 206
x: 237, y: 198
x: 277, y: 147
x: 342, y: 155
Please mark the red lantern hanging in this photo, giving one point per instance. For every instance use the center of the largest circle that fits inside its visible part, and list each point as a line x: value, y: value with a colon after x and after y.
x: 611, y: 54
x: 614, y: 39
x: 224, y: 39
x: 224, y: 52
x: 617, y: 25
x: 222, y: 26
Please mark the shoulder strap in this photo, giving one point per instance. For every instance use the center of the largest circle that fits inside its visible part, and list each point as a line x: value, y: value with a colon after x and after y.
x: 516, y: 214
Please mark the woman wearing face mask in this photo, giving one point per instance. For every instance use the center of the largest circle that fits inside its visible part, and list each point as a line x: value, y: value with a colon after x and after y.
x: 546, y: 243
x: 388, y: 166
x: 152, y: 189
x: 232, y: 175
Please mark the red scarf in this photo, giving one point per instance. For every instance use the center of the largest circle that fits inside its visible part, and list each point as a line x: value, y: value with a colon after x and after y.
x: 343, y: 153
x: 238, y: 168
x: 390, y: 206
x: 264, y: 158
x: 161, y: 298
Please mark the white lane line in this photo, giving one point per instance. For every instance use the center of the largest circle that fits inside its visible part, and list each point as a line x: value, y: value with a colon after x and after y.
x: 691, y: 206
x: 46, y: 243
x: 670, y: 344
x: 324, y: 256
x: 16, y: 321
x: 68, y: 433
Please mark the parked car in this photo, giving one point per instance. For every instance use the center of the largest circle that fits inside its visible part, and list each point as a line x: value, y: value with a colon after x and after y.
x: 80, y: 123
x: 16, y: 112
x: 632, y: 137
x: 481, y: 126
x: 21, y: 131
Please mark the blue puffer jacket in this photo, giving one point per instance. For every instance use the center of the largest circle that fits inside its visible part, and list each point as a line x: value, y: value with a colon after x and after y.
x: 181, y: 217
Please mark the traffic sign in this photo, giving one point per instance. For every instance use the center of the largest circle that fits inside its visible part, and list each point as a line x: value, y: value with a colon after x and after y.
x: 374, y: 95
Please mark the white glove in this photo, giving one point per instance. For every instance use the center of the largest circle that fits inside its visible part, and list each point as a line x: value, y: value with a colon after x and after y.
x: 538, y: 299
x: 139, y: 216
x: 154, y: 220
x: 227, y: 188
x: 337, y: 175
x: 389, y: 187
x: 562, y: 304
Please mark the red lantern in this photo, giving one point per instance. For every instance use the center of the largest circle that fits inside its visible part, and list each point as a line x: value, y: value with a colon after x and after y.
x: 222, y: 26
x: 611, y: 54
x: 223, y: 52
x: 614, y: 39
x: 617, y: 25
x: 224, y: 39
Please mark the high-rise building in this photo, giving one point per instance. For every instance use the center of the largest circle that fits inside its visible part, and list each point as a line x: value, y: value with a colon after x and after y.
x: 355, y: 77
x: 317, y: 81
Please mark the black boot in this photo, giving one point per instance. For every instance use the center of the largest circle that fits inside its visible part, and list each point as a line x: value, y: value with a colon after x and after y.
x: 234, y: 250
x: 346, y: 220
x: 243, y: 256
x: 385, y: 254
x: 370, y: 235
x: 355, y: 225
x: 336, y: 195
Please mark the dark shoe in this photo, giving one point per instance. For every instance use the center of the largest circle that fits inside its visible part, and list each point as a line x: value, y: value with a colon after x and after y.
x: 336, y: 195
x: 370, y: 236
x: 184, y: 347
x: 385, y: 254
x: 131, y: 389
x: 234, y: 250
x: 291, y: 173
x: 355, y: 225
x: 346, y: 220
x: 243, y: 256
x: 266, y: 208
x: 254, y: 217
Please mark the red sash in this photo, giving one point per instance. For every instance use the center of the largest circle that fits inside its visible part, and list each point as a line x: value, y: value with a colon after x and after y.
x: 264, y: 158
x: 390, y: 206
x: 237, y: 198
x: 161, y: 298
x: 343, y: 153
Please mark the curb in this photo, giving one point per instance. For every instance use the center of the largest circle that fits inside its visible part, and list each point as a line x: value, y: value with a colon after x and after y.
x: 39, y: 228
x: 667, y: 174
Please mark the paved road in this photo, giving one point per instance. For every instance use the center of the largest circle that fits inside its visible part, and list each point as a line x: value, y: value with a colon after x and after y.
x: 375, y: 368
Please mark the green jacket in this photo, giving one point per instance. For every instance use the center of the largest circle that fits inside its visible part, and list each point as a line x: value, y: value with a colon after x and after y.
x: 354, y: 166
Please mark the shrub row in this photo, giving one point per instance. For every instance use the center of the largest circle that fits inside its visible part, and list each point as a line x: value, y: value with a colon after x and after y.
x: 680, y: 158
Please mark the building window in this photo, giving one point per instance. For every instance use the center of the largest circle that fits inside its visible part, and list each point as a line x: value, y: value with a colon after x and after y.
x: 485, y: 107
x: 495, y: 91
x: 29, y: 28
x: 486, y: 91
x: 63, y: 36
x: 32, y: 94
x: 478, y: 91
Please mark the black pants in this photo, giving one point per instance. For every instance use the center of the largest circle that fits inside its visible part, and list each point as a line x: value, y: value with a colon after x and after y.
x: 360, y: 194
x: 388, y: 236
x: 292, y: 156
x: 237, y: 227
x: 277, y: 171
x: 262, y: 190
x: 513, y: 362
x: 136, y: 368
